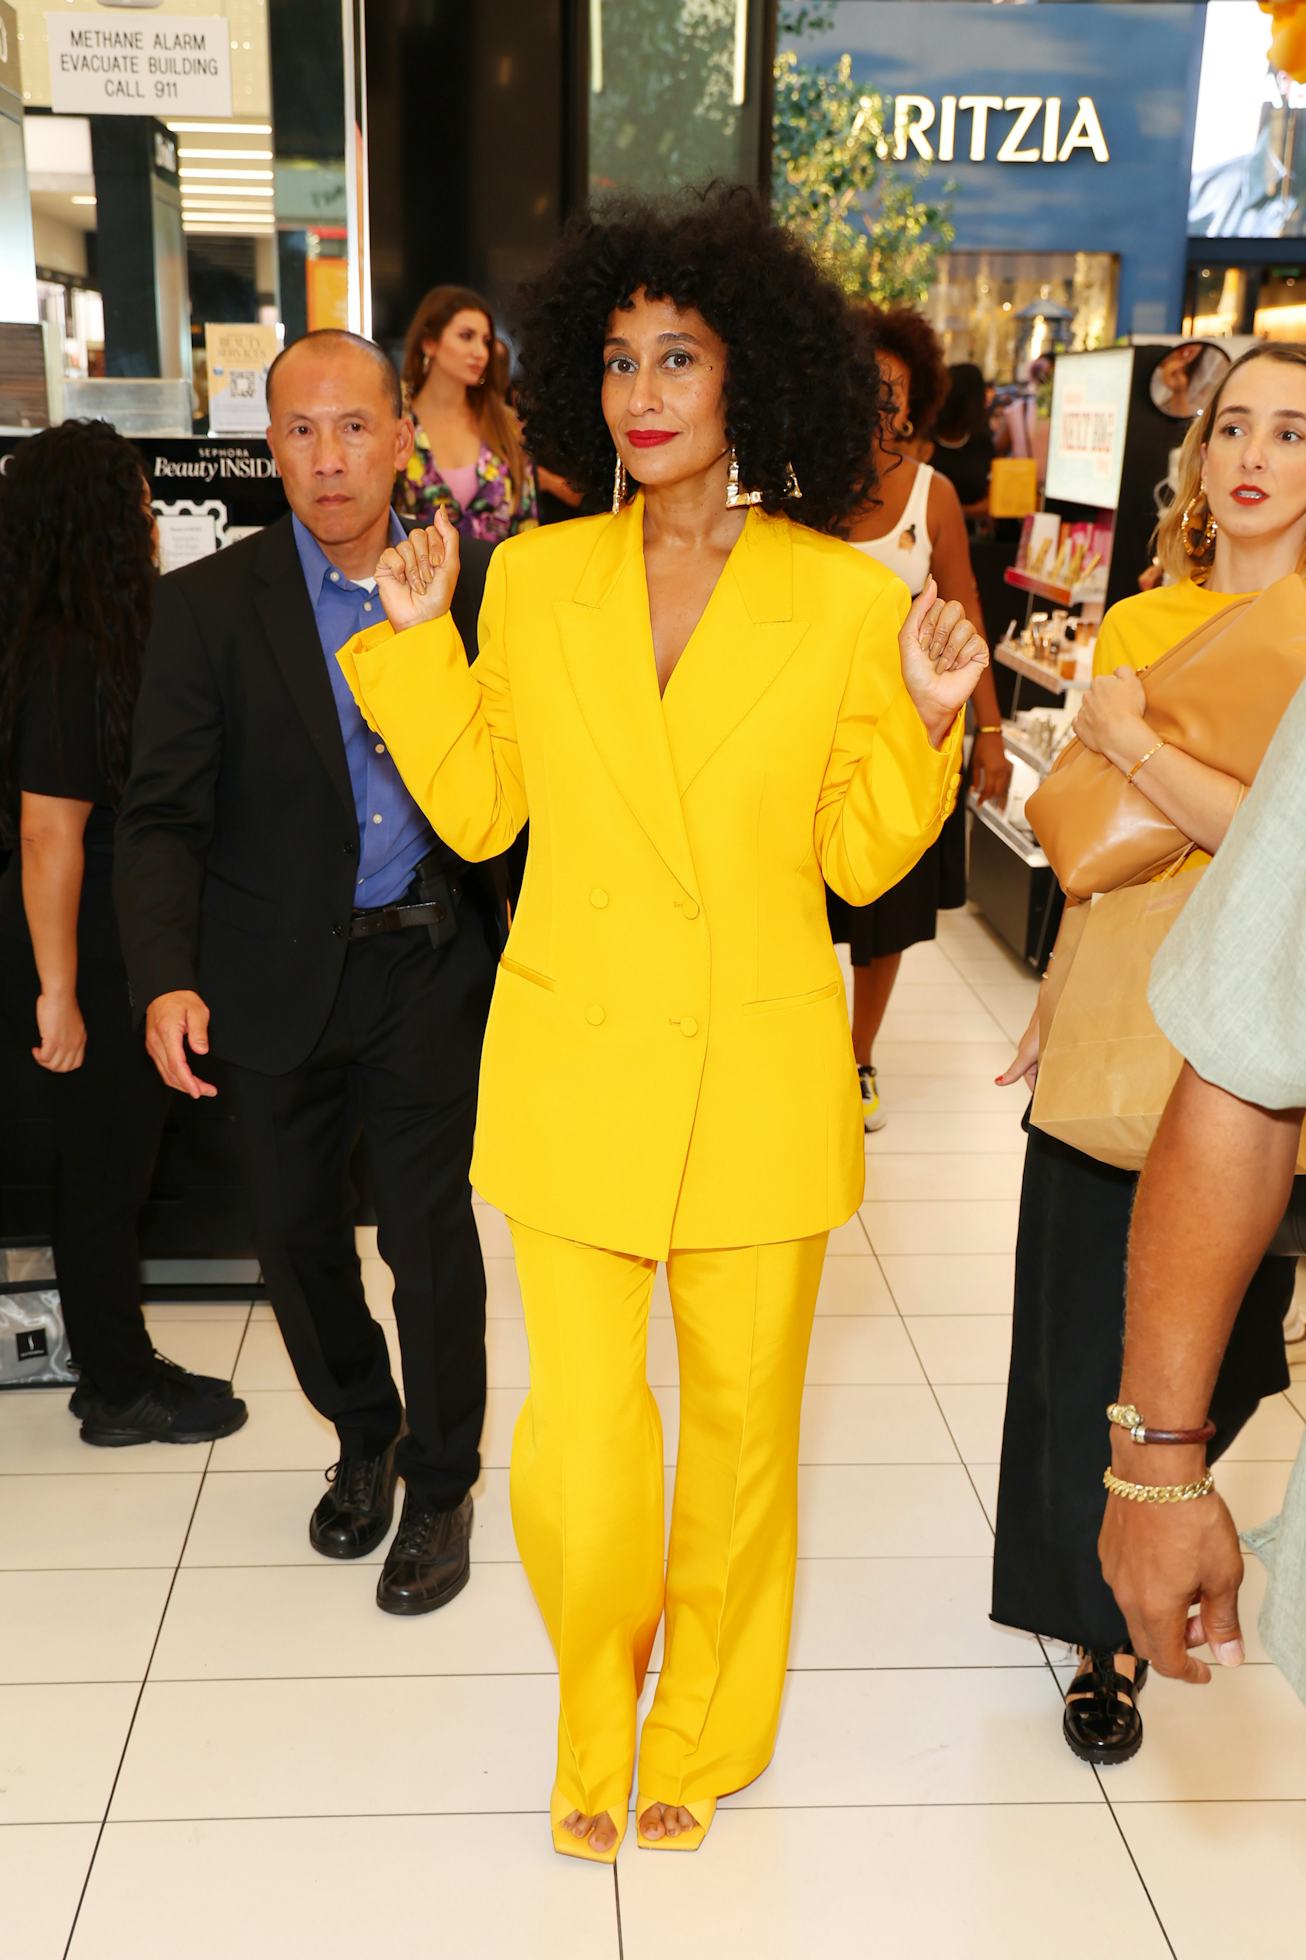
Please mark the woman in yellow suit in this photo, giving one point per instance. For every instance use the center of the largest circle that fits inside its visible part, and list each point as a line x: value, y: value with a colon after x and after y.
x: 705, y: 707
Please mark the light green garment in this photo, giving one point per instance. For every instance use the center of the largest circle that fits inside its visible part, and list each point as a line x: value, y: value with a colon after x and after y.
x: 1280, y: 1544
x: 1229, y: 990
x: 1229, y: 985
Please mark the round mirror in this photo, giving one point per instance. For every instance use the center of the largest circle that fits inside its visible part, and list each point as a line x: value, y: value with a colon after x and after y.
x: 1185, y: 378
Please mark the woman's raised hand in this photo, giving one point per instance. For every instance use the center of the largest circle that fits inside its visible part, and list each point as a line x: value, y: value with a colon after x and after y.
x: 942, y: 659
x: 416, y: 579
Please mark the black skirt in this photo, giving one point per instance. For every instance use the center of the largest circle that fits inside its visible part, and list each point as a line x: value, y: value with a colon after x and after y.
x: 908, y: 913
x: 1067, y: 1342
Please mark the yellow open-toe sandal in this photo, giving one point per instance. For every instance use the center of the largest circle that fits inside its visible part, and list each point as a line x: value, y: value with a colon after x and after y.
x: 568, y: 1845
x: 703, y: 1808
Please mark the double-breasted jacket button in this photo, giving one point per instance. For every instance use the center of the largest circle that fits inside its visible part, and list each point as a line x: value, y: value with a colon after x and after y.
x: 598, y: 898
x: 595, y: 1016
x: 688, y: 1025
x: 692, y: 908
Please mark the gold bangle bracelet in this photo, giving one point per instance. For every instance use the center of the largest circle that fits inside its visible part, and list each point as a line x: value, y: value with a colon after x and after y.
x: 1145, y: 759
x: 993, y: 728
x: 1159, y: 1493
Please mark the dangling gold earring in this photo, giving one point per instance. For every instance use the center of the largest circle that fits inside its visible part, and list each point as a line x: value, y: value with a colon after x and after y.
x: 1198, y: 535
x: 618, y: 488
x: 736, y: 495
x: 792, y: 492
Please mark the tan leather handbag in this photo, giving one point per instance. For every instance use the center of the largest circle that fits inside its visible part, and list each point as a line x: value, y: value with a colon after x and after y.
x: 1219, y: 696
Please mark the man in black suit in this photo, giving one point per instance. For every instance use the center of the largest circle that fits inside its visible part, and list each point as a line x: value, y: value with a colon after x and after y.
x: 285, y: 907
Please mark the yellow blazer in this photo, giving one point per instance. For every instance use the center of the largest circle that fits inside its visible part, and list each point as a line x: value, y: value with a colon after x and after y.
x: 668, y: 1059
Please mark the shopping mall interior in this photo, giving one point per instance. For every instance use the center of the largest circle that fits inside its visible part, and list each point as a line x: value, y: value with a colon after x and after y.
x: 1059, y: 227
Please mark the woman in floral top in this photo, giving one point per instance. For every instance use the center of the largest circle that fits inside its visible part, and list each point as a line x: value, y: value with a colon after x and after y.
x: 469, y: 455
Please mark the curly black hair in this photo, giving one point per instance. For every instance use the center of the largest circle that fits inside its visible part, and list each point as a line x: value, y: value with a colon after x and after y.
x: 801, y: 387
x: 900, y: 331
x: 76, y: 550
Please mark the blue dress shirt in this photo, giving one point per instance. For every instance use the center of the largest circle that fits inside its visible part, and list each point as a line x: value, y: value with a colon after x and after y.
x: 393, y: 835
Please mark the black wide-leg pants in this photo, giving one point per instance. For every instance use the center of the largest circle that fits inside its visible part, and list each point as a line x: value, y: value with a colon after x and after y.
x: 107, y: 1117
x: 1067, y: 1343
x: 397, y: 1063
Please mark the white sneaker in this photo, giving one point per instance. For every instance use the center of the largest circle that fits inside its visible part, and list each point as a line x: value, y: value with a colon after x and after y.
x: 1294, y: 1323
x: 873, y: 1114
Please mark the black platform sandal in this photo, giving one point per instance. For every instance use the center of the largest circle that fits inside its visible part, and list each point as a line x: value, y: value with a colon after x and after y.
x: 1102, y: 1723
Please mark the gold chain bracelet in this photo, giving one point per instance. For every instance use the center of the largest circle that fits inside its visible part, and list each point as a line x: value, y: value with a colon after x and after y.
x: 1159, y: 1493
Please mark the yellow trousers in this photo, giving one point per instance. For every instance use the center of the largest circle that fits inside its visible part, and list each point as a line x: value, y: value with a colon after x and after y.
x: 587, y: 1505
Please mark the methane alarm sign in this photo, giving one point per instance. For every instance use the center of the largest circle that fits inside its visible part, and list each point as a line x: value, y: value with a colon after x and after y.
x: 168, y: 65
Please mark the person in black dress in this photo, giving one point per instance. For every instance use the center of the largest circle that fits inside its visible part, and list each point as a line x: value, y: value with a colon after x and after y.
x: 76, y: 589
x: 913, y: 526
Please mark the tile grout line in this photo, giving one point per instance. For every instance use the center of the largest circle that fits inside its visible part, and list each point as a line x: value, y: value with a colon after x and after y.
x: 943, y: 1414
x: 616, y: 1897
x: 735, y: 1810
x: 154, y: 1648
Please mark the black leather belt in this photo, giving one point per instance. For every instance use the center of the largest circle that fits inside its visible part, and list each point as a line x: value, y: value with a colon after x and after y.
x: 399, y: 917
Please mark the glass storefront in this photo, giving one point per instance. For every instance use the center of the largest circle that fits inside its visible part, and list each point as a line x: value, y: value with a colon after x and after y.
x: 1002, y: 310
x: 182, y: 174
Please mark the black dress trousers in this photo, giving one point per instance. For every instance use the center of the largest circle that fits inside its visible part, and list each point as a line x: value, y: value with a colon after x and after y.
x: 1067, y: 1342
x: 397, y: 1063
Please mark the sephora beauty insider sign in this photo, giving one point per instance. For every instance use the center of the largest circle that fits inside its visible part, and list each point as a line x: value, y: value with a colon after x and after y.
x: 139, y: 65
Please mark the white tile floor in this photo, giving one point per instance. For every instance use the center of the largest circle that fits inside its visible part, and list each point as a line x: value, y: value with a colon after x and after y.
x: 211, y: 1744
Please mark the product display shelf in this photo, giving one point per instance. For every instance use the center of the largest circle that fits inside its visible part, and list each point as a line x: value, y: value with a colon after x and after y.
x: 1059, y: 595
x: 1007, y: 654
x: 1021, y: 842
x: 1015, y: 745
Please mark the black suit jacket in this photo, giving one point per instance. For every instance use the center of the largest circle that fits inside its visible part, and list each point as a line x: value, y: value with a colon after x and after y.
x: 237, y: 844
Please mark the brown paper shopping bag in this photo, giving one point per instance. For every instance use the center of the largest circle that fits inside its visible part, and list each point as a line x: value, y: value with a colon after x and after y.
x: 1106, y: 1070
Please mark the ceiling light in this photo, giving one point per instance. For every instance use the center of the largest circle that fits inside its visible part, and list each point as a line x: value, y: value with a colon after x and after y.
x: 220, y: 128
x: 251, y: 176
x: 259, y: 193
x: 228, y: 217
x: 251, y: 156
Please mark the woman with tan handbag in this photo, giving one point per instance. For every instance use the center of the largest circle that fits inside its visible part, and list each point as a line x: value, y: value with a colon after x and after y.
x: 1237, y: 526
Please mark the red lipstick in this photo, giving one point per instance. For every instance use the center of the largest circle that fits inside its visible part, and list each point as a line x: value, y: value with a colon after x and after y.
x: 650, y: 438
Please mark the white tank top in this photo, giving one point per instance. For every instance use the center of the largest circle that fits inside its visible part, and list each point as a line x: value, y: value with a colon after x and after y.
x: 906, y: 549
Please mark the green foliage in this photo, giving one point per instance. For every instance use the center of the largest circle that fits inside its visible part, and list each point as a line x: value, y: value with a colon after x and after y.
x: 799, y: 17
x: 835, y: 183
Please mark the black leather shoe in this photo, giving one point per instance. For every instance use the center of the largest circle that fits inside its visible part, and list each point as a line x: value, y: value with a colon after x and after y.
x: 1102, y: 1723
x: 355, y: 1514
x: 163, y: 1413
x: 430, y: 1560
x: 206, y: 1385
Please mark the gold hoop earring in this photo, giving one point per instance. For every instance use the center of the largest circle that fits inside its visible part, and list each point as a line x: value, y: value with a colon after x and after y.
x: 907, y: 429
x: 736, y: 495
x: 618, y: 488
x: 1198, y: 536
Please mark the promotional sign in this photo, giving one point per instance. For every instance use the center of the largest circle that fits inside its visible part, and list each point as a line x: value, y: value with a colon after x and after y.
x: 205, y: 494
x: 238, y: 361
x: 1090, y: 412
x: 168, y: 64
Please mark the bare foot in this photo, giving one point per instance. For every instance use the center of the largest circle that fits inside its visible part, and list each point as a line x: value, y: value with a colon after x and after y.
x: 666, y: 1820
x: 600, y: 1830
